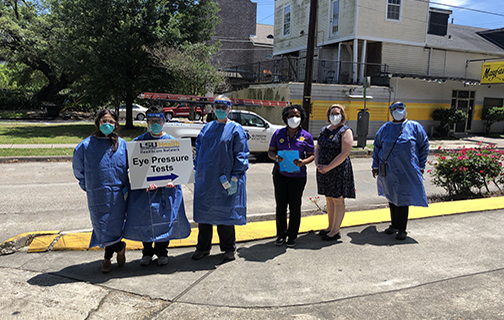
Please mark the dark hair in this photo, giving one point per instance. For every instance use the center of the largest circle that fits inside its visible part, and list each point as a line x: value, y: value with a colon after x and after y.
x: 286, y: 110
x: 155, y: 109
x: 113, y: 136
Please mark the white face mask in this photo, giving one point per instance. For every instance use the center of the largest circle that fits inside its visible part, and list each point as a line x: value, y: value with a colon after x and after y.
x: 399, y: 114
x: 335, y: 119
x: 294, y: 122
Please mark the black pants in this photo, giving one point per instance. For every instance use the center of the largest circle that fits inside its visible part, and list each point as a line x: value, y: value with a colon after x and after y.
x: 398, y: 216
x: 116, y: 247
x: 160, y: 249
x: 227, y: 237
x: 288, y: 191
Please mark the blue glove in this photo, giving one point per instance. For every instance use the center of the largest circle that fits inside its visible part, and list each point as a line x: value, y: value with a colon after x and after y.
x: 224, y: 181
x: 234, y: 186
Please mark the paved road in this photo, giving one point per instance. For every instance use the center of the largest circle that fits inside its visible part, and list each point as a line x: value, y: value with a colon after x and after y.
x: 47, y: 195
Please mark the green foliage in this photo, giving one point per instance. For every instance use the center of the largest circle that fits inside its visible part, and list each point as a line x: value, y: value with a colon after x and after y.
x: 190, y: 67
x: 32, y: 42
x: 447, y: 118
x: 492, y: 115
x: 111, y: 42
x: 462, y: 171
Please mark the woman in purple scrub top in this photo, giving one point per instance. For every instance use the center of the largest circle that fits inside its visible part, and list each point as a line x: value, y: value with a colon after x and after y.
x: 290, y: 184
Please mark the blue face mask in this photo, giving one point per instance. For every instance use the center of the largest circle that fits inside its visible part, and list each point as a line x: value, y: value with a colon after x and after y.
x: 156, y: 128
x: 220, y: 114
x: 106, y: 128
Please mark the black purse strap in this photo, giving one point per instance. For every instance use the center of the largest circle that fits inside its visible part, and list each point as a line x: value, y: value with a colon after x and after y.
x: 402, y: 127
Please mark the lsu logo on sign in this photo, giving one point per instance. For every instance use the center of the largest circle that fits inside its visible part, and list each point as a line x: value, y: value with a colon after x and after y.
x: 492, y: 72
x: 159, y: 144
x: 148, y: 145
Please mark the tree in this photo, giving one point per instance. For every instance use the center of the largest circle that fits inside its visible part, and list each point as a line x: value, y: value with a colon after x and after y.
x: 492, y: 115
x: 111, y: 41
x: 30, y: 38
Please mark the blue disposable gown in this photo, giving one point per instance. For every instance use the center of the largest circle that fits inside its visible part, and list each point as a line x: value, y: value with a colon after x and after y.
x: 158, y: 215
x: 403, y: 184
x: 221, y: 148
x: 103, y: 174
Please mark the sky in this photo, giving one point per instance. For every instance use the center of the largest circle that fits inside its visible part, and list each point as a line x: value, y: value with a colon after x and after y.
x: 488, y: 14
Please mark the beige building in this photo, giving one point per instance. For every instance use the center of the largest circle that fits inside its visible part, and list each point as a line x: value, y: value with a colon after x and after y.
x: 410, y: 50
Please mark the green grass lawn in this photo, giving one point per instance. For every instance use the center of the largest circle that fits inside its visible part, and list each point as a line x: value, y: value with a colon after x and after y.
x: 42, y: 133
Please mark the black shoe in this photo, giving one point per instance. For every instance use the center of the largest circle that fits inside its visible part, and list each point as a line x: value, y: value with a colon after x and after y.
x: 291, y: 243
x: 228, y: 256
x: 328, y: 238
x: 199, y: 254
x: 279, y: 241
x: 322, y: 233
x: 401, y: 235
x: 390, y: 230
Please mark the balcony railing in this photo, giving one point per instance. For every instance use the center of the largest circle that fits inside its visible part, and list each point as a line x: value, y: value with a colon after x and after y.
x: 292, y: 69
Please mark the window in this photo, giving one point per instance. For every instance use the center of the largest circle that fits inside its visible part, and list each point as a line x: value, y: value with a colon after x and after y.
x: 393, y: 10
x: 287, y: 21
x: 335, y: 17
x: 251, y: 120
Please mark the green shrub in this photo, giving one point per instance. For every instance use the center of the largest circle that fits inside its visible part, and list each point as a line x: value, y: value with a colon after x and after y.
x: 492, y: 115
x: 447, y: 118
x: 463, y: 171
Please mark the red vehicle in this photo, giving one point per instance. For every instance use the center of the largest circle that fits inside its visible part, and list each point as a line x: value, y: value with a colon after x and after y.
x: 181, y: 109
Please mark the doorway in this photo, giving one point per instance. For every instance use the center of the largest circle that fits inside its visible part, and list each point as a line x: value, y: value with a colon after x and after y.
x: 463, y: 100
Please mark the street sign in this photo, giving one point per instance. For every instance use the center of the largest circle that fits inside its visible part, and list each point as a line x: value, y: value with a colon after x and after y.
x: 160, y: 161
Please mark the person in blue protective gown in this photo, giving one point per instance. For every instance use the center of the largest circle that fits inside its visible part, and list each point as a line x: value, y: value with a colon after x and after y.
x: 400, y: 153
x: 100, y: 164
x: 220, y: 174
x: 156, y: 215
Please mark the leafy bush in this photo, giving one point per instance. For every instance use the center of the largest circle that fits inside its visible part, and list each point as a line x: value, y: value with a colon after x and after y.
x: 492, y: 115
x: 462, y: 171
x: 447, y: 118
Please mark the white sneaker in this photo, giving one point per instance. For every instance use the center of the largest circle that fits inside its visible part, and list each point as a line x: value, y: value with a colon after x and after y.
x: 145, y: 261
x: 161, y: 261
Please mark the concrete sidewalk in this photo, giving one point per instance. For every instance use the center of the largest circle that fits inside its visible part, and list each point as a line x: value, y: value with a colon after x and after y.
x: 449, y: 267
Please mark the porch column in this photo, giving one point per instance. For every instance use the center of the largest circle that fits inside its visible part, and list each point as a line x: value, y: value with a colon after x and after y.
x: 363, y: 62
x: 355, y: 60
x: 338, y: 71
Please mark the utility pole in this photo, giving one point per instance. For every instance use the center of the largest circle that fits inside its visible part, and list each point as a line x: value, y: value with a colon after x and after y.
x: 310, y: 50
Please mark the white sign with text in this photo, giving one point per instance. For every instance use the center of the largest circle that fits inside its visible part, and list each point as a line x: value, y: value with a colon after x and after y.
x: 160, y: 161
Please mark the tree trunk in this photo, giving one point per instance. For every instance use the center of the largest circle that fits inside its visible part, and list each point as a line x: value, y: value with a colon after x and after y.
x: 129, y: 108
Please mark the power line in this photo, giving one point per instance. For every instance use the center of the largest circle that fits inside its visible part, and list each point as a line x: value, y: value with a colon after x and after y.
x: 463, y: 8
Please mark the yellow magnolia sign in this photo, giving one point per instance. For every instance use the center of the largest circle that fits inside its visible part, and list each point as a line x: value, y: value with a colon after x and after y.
x: 492, y: 72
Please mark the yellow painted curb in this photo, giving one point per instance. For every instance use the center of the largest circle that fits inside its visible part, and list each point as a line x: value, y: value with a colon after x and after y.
x: 267, y: 229
x: 26, y: 234
x: 41, y: 243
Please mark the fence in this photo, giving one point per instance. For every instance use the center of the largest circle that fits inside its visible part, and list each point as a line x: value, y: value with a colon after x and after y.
x: 292, y: 69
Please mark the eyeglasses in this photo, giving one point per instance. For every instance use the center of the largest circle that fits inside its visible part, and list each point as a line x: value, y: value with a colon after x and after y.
x: 152, y: 121
x: 220, y: 106
x: 102, y: 121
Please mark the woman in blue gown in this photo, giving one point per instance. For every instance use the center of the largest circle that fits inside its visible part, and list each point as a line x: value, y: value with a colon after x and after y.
x: 99, y: 163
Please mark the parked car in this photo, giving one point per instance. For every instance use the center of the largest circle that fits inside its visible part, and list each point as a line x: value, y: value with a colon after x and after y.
x: 258, y: 129
x: 139, y: 112
x: 182, y: 110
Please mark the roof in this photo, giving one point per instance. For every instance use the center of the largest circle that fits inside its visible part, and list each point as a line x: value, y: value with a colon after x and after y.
x: 262, y: 33
x: 463, y: 38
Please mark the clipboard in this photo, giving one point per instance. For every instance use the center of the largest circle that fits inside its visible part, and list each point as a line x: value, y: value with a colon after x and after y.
x: 287, y: 165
